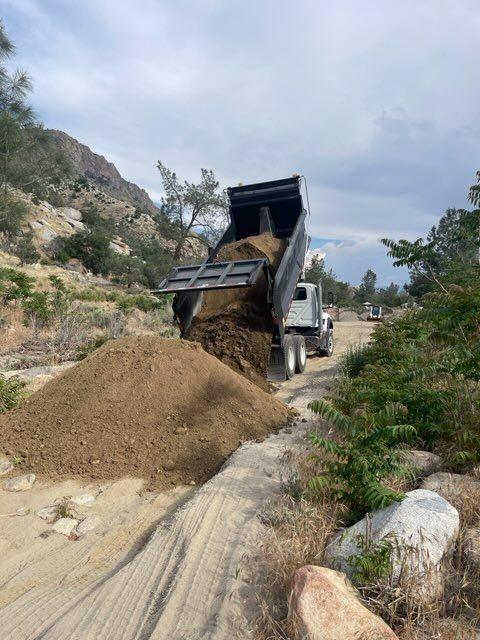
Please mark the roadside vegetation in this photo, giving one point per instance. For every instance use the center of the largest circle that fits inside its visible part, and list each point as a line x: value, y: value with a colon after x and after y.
x: 416, y: 385
x: 50, y: 322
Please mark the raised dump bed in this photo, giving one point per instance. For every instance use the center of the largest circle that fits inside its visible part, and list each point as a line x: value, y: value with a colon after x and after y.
x: 257, y: 265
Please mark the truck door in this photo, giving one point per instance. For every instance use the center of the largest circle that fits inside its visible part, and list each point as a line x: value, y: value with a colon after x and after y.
x: 303, y: 310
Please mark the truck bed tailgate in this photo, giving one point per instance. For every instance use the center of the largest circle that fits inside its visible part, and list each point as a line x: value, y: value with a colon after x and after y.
x: 212, y: 275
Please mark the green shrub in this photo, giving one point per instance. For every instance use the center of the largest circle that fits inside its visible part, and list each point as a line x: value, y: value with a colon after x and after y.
x: 90, y: 346
x: 126, y: 269
x: 12, y: 215
x: 38, y: 310
x: 90, y: 294
x: 367, y: 453
x: 139, y: 301
x: 354, y: 360
x: 15, y: 285
x: 23, y: 248
x: 93, y: 249
x: 374, y: 562
x: 11, y: 393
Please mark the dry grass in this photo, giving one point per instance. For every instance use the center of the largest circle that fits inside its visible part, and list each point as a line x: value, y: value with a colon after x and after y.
x: 71, y: 330
x: 298, y: 527
x: 455, y: 613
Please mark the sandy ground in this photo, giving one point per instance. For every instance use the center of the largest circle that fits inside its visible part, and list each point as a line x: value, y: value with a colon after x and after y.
x: 169, y: 566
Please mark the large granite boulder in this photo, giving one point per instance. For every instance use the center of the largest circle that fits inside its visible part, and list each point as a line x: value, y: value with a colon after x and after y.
x: 423, y: 529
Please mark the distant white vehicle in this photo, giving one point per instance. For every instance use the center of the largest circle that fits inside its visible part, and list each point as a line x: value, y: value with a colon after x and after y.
x: 375, y: 314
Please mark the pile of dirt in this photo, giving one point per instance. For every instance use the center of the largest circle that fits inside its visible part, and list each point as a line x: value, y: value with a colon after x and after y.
x: 149, y: 407
x: 235, y: 325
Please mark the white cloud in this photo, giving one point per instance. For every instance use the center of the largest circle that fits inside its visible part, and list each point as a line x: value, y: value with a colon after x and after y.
x: 376, y: 105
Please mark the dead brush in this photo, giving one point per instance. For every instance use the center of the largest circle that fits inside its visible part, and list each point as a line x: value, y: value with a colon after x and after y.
x: 71, y: 330
x: 298, y: 526
x: 453, y: 614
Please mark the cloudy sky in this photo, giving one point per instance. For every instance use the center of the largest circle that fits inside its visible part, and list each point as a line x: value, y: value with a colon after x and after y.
x: 375, y: 102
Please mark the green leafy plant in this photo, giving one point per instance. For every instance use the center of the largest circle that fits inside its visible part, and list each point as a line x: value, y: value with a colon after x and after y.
x: 12, y: 392
x: 15, y: 285
x: 90, y: 346
x: 293, y: 487
x: 38, y: 311
x: 64, y: 508
x: 354, y: 360
x: 374, y: 562
x: 355, y: 466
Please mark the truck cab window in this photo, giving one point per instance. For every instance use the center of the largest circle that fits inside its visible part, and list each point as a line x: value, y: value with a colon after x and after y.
x: 300, y: 293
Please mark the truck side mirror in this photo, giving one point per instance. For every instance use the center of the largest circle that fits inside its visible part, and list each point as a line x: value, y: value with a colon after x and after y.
x: 330, y: 298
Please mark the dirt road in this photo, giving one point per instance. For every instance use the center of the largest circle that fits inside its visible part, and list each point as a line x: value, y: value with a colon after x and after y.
x: 169, y: 567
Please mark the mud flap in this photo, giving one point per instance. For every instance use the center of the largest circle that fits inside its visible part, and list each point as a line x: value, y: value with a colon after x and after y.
x: 276, y: 366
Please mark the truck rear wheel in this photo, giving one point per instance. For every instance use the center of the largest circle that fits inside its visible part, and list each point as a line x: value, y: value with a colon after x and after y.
x: 300, y: 354
x: 289, y: 356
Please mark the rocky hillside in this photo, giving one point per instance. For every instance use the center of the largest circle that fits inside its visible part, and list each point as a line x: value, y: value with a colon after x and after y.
x: 101, y: 173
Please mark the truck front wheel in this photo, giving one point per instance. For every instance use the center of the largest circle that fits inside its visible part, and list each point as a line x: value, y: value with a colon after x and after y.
x: 300, y: 354
x: 329, y: 344
x: 289, y: 356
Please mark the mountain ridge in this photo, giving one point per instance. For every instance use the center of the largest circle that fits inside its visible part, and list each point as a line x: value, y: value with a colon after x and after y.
x: 101, y: 172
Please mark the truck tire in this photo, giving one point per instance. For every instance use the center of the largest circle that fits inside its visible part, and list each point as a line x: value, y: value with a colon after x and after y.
x: 330, y: 345
x: 289, y: 356
x: 300, y: 354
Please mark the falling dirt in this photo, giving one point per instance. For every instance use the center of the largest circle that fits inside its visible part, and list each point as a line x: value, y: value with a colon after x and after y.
x: 147, y: 407
x: 235, y: 325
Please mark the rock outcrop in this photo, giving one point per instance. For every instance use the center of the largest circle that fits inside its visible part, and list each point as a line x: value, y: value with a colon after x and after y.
x: 100, y: 172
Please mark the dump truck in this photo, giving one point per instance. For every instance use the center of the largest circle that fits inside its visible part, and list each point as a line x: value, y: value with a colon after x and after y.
x: 300, y: 323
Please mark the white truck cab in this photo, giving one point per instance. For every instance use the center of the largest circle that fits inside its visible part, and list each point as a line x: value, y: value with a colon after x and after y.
x: 306, y: 310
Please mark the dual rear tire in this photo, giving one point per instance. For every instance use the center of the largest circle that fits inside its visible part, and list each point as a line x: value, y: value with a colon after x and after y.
x: 295, y: 355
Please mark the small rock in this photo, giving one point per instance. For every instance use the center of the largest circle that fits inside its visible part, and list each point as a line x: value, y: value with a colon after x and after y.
x: 244, y: 364
x: 20, y: 483
x: 168, y: 465
x: 22, y: 511
x: 422, y: 463
x: 89, y: 524
x: 48, y: 513
x: 423, y: 527
x: 83, y: 500
x: 192, y: 483
x: 180, y: 430
x: 65, y: 526
x: 5, y: 466
x: 328, y: 608
x: 304, y: 420
x: 93, y: 460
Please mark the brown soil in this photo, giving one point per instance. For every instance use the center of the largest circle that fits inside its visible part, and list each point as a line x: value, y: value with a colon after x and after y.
x: 235, y: 325
x: 149, y: 407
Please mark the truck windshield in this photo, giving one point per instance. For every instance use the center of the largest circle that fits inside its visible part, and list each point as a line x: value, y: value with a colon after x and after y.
x: 300, y: 293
